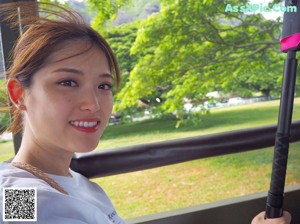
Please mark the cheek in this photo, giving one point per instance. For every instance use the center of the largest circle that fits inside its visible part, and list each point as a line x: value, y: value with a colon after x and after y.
x: 57, y: 106
x: 107, y: 104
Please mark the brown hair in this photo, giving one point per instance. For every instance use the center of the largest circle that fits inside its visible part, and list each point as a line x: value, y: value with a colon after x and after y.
x: 41, y: 37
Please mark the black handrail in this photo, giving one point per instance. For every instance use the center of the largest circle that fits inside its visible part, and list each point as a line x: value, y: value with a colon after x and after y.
x: 145, y: 156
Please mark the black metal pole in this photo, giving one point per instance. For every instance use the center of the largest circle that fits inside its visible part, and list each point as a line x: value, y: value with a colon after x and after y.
x: 276, y: 192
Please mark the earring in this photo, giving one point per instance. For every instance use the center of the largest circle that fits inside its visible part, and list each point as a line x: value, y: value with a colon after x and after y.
x: 22, y: 107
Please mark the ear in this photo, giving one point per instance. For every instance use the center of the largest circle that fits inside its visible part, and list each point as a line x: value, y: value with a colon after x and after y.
x: 15, y: 91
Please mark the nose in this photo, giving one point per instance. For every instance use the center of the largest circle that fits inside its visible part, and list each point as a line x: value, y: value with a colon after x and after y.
x: 90, y: 100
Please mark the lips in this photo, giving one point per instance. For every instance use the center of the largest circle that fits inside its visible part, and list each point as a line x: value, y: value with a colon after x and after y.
x: 85, y: 125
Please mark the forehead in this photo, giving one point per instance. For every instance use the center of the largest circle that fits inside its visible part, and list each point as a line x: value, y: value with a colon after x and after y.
x: 73, y: 48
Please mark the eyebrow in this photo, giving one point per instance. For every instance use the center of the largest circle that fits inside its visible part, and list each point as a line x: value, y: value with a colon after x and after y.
x: 79, y: 72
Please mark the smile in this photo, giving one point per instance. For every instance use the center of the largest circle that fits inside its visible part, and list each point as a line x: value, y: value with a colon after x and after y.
x: 84, y: 124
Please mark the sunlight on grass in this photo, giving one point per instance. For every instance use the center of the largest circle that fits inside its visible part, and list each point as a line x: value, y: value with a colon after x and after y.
x: 6, y: 150
x: 196, y: 182
x: 219, y: 120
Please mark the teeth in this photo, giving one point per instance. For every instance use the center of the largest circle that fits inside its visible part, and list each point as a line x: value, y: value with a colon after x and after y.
x: 84, y: 124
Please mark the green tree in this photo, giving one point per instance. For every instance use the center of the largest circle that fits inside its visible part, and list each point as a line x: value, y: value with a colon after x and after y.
x: 192, y: 47
x: 105, y: 11
x: 197, y: 47
x: 261, y: 75
x: 121, y: 39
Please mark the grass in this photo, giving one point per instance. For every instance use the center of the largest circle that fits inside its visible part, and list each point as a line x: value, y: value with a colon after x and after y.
x: 219, y: 120
x: 6, y: 150
x: 195, y: 182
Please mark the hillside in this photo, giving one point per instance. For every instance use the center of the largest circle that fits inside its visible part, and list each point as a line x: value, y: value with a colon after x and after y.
x: 139, y: 9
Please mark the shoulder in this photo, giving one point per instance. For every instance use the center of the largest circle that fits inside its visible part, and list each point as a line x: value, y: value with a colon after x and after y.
x: 84, y: 189
x: 51, y: 205
x: 81, y: 182
x: 86, y: 202
x: 11, y: 176
x: 55, y: 207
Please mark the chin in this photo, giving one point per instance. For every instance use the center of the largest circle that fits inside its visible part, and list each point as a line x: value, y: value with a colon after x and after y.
x: 85, y: 148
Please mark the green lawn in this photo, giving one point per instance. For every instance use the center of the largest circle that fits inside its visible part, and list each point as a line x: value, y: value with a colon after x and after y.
x: 219, y: 120
x: 196, y: 182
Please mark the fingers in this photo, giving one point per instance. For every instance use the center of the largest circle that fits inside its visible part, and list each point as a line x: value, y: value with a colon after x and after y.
x: 260, y: 219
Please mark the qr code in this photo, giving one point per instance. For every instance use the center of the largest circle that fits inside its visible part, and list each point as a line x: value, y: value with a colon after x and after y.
x: 19, y: 204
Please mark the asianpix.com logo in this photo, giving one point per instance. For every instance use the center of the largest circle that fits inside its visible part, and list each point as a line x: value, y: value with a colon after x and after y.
x: 253, y: 8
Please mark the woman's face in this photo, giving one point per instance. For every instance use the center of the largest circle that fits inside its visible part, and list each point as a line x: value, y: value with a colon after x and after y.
x: 70, y: 101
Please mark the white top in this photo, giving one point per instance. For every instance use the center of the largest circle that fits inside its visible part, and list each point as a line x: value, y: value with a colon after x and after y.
x: 86, y: 202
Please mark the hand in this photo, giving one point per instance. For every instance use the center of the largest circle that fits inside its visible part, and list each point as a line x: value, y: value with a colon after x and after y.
x: 260, y: 219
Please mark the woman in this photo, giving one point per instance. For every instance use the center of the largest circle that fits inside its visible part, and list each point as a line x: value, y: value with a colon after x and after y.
x: 61, y: 86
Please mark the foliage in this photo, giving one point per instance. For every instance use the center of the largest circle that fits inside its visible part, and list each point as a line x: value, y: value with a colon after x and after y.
x: 110, y: 13
x: 259, y: 75
x: 4, y: 121
x: 106, y: 11
x: 187, y: 49
x: 80, y: 6
x: 57, y: 2
x: 4, y: 114
x: 121, y: 39
x: 193, y: 47
x: 140, y: 9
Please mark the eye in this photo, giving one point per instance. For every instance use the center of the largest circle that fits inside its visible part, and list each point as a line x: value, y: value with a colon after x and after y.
x: 69, y: 83
x: 105, y: 86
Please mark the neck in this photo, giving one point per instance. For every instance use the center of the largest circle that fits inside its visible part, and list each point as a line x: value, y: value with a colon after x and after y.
x: 48, y: 160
